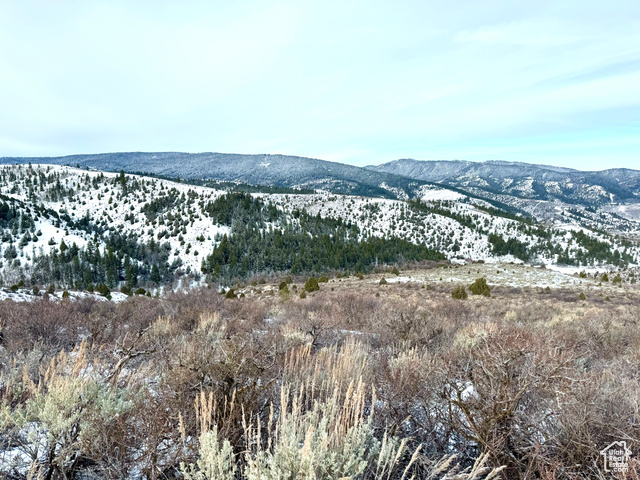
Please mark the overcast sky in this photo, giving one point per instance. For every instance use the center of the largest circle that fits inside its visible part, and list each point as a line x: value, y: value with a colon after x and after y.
x: 555, y: 82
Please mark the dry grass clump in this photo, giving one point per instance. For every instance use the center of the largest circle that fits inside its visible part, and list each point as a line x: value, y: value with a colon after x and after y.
x: 459, y: 293
x: 328, y: 370
x: 319, y: 433
x: 344, y: 384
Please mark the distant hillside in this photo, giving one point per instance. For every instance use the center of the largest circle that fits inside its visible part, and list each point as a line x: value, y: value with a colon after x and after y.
x: 278, y: 170
x: 541, y: 182
x: 78, y: 229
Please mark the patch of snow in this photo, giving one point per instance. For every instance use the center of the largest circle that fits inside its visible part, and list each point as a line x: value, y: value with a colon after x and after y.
x: 427, y: 192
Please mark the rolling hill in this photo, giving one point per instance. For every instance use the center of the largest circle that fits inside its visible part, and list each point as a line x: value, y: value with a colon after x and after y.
x: 523, y: 180
x: 277, y: 170
x: 78, y: 228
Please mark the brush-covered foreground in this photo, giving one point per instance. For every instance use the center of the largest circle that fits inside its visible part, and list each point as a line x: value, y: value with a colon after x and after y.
x: 359, y: 379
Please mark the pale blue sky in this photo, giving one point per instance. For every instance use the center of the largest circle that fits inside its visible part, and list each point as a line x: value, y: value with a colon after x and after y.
x: 361, y: 82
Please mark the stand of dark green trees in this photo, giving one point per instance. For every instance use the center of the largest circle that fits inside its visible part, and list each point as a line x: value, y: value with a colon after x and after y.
x: 263, y: 240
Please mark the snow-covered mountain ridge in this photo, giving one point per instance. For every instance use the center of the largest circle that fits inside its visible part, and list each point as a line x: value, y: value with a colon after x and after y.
x: 277, y: 170
x: 525, y: 181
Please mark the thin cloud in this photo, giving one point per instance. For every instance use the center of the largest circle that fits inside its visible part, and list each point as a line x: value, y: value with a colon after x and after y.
x: 600, y: 72
x: 542, y: 32
x: 360, y: 82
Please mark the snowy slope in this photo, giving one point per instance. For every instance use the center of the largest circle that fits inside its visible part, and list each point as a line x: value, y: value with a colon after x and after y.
x: 171, y: 214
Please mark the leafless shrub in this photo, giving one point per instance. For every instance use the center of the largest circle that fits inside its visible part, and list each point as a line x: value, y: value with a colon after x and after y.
x: 53, y: 325
x: 523, y: 381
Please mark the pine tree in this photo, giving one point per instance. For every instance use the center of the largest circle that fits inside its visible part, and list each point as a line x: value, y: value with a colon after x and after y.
x: 155, y: 273
x: 480, y: 287
x: 311, y: 285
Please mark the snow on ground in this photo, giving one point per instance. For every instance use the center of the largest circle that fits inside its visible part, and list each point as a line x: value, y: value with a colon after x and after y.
x: 398, y: 192
x: 383, y: 217
x: 401, y: 279
x: 497, y: 274
x: 104, y: 204
x: 571, y: 270
x: 25, y: 295
x: 6, y: 294
x: 629, y: 211
x: 428, y: 192
x: 98, y: 196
